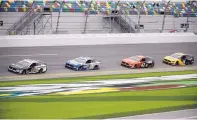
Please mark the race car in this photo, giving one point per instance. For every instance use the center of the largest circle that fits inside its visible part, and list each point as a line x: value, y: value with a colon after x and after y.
x: 138, y: 61
x: 83, y: 63
x: 179, y: 59
x: 28, y: 66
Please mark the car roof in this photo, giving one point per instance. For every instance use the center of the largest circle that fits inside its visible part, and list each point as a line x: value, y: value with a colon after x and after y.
x: 30, y: 61
x: 140, y: 56
x: 86, y: 58
x: 148, y: 57
x: 179, y: 54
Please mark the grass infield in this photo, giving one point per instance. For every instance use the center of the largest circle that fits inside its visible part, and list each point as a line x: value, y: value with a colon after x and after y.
x: 100, y: 105
x: 103, y: 105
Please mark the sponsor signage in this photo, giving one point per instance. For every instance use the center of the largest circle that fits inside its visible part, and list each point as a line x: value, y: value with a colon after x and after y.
x: 88, y: 86
x: 184, y: 25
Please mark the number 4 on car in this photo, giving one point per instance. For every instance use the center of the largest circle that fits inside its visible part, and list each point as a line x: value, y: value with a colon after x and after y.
x: 138, y: 61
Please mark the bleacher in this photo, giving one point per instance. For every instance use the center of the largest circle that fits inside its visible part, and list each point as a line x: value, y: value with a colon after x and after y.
x: 96, y: 7
x: 74, y: 14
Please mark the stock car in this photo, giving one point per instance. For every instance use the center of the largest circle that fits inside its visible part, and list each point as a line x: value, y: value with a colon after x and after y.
x: 138, y: 61
x: 179, y: 59
x: 28, y: 66
x: 83, y: 63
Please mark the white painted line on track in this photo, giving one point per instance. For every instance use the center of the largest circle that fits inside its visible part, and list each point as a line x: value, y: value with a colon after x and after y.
x: 28, y: 55
x: 191, y: 117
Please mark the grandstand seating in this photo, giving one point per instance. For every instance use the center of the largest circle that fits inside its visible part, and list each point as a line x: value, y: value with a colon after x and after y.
x: 131, y: 8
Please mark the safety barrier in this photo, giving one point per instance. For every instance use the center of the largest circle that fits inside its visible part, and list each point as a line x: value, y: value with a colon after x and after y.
x: 95, y: 39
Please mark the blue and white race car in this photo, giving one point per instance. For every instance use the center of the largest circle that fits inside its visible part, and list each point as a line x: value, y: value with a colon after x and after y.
x: 83, y: 63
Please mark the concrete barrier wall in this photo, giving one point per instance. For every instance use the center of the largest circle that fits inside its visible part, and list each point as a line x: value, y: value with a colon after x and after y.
x: 95, y: 39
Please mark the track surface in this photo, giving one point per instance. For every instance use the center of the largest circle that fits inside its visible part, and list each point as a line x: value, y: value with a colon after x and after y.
x: 110, y: 55
x: 180, y: 114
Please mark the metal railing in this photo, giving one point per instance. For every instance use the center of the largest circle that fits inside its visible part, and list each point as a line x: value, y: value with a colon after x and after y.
x: 23, y: 21
x: 129, y: 21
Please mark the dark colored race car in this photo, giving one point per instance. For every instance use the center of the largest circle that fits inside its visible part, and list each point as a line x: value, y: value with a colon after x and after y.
x: 28, y: 66
x: 138, y: 62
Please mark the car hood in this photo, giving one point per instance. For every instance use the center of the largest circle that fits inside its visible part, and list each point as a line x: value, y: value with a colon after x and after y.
x: 73, y: 62
x: 171, y: 58
x: 17, y: 66
x: 128, y: 60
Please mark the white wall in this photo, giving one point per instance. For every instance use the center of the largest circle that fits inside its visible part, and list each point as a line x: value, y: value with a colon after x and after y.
x: 95, y: 39
x: 9, y: 18
x: 154, y: 23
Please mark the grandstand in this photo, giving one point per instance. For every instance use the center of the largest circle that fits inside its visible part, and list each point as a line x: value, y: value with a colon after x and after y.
x: 23, y: 17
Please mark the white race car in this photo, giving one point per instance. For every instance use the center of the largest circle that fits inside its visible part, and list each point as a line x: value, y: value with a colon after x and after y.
x: 83, y: 63
x: 28, y: 66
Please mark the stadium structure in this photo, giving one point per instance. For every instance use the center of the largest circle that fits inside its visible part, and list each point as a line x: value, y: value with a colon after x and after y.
x: 31, y: 17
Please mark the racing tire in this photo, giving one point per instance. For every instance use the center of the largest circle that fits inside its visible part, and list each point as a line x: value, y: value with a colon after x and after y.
x: 79, y: 68
x: 177, y: 63
x: 135, y: 66
x: 40, y: 71
x: 96, y: 67
x: 23, y: 72
x: 151, y: 65
x: 186, y: 62
x: 191, y: 62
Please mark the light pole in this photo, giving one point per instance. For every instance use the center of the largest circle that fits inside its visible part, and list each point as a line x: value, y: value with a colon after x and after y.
x: 163, y: 24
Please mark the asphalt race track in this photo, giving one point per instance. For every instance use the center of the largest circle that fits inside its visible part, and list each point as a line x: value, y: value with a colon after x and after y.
x: 179, y: 114
x: 110, y: 55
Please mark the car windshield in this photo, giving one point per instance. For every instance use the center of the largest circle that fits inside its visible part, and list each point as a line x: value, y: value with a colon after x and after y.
x: 80, y: 60
x: 135, y: 58
x: 23, y: 63
x: 176, y: 55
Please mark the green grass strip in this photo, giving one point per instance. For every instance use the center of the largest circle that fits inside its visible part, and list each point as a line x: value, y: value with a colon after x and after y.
x: 96, y: 106
x: 92, y: 78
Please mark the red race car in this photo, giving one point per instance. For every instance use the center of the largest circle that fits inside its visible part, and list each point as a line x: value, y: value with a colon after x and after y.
x: 138, y: 61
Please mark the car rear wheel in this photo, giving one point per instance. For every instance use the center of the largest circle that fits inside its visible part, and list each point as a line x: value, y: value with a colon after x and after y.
x: 135, y: 66
x: 186, y: 62
x: 24, y: 72
x: 151, y: 65
x: 96, y: 67
x: 40, y: 71
x: 177, y: 63
x: 80, y: 68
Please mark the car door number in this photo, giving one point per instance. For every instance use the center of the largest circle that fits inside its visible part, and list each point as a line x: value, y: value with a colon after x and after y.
x: 144, y: 65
